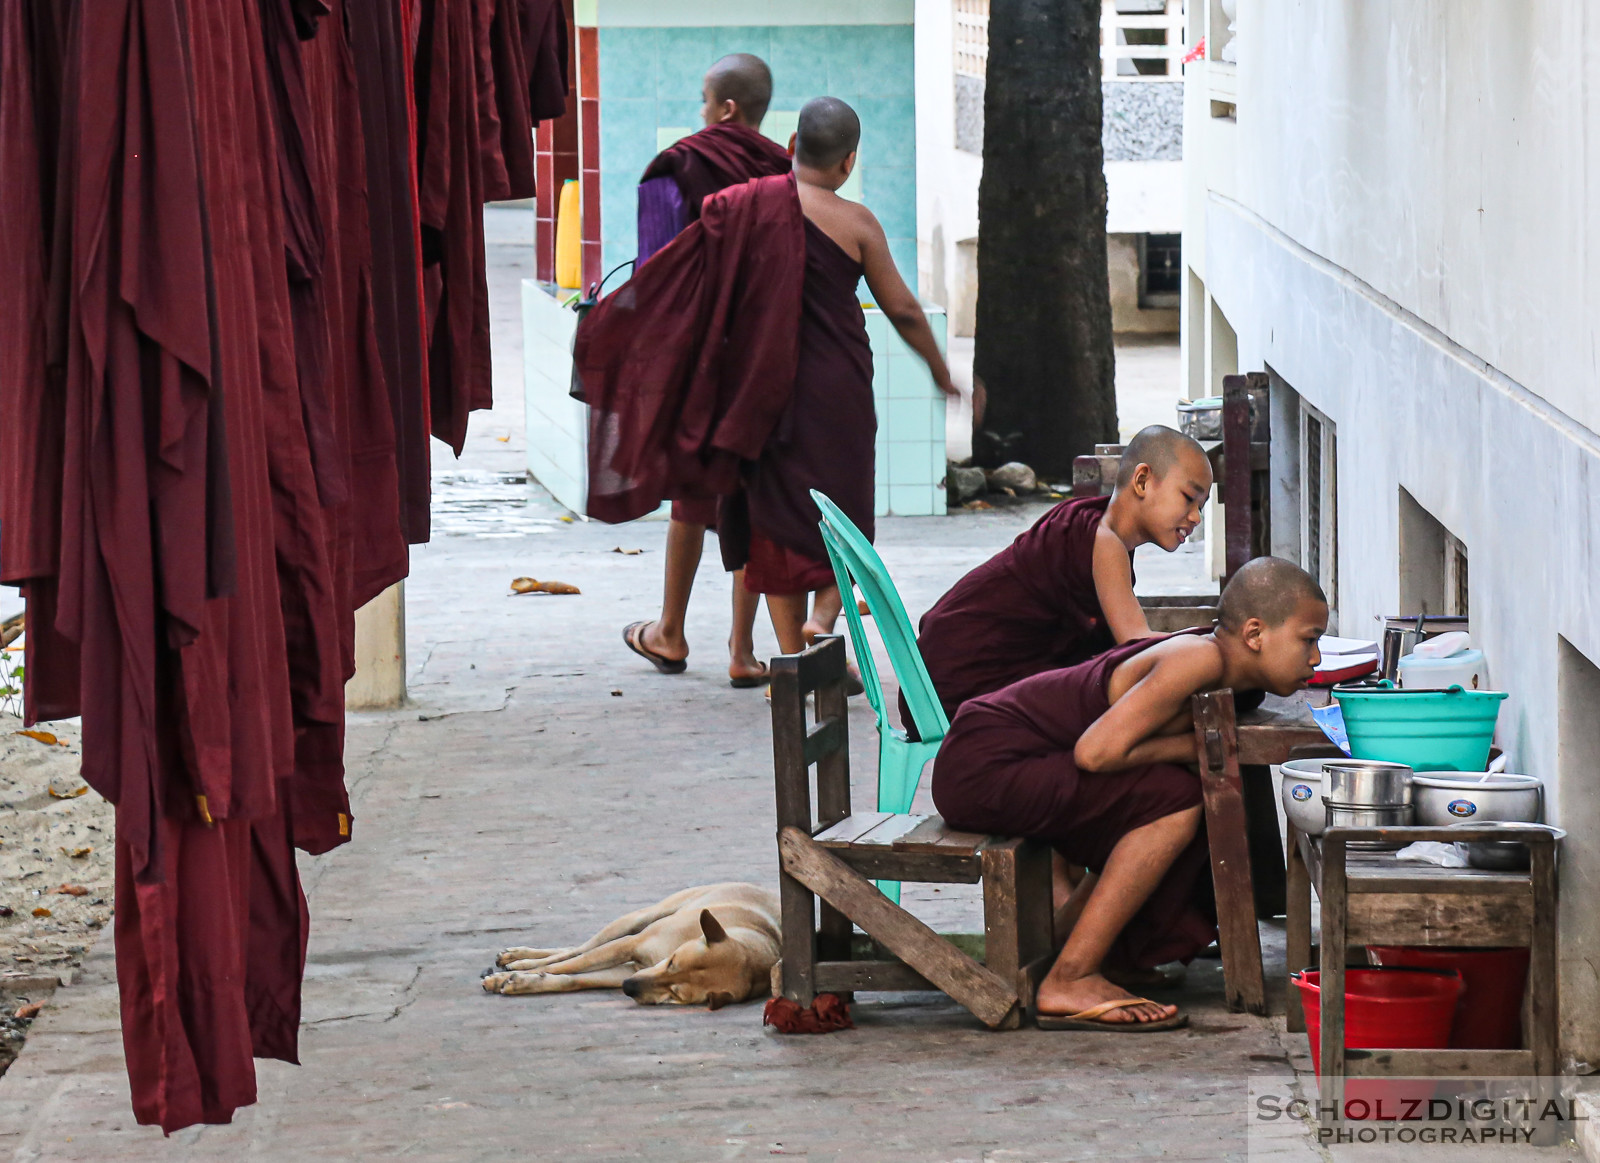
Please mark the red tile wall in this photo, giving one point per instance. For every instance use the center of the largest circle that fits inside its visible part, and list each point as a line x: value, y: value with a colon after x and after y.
x: 589, y: 148
x: 556, y: 160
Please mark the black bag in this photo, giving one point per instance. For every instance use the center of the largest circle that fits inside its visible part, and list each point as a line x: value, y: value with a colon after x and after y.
x: 583, y: 307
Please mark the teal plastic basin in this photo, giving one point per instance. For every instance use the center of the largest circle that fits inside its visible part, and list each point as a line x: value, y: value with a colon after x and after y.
x: 1446, y: 730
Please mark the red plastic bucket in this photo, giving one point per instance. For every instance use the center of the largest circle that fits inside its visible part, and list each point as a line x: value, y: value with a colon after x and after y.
x: 1490, y: 1013
x: 1394, y: 1009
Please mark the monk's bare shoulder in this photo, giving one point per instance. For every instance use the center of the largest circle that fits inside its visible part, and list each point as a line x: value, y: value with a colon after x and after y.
x: 1186, y: 662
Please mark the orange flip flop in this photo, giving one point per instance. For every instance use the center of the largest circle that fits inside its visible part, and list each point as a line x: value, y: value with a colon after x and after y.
x: 1090, y: 1019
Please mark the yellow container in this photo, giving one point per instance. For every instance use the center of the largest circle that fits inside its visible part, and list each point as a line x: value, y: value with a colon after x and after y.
x: 569, y: 237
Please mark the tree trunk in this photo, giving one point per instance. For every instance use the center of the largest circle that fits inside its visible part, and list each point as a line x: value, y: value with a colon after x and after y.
x: 1043, y: 346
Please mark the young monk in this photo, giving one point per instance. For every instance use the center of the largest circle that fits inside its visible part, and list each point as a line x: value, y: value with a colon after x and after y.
x: 1092, y: 759
x: 825, y: 439
x: 730, y: 150
x: 1062, y: 592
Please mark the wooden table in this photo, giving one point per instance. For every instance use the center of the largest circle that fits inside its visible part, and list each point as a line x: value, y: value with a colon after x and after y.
x: 1247, y: 859
x: 1370, y: 898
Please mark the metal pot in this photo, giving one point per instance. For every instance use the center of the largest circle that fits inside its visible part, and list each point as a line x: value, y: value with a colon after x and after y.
x: 1300, y: 789
x: 1503, y: 855
x: 1465, y: 797
x: 1386, y: 816
x: 1366, y: 783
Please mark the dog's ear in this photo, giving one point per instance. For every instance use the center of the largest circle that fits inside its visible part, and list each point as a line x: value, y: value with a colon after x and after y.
x: 712, y: 928
x: 716, y: 1001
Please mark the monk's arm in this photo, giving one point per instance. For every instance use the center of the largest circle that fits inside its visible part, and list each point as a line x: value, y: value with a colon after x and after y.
x: 1130, y: 733
x: 1113, y: 585
x: 896, y: 301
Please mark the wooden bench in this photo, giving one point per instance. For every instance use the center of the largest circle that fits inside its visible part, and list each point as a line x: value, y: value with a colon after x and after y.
x: 836, y: 853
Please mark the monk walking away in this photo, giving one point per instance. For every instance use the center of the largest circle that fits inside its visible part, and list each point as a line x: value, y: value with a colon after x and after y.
x: 825, y: 438
x: 730, y: 150
x: 1062, y: 592
x: 1094, y: 759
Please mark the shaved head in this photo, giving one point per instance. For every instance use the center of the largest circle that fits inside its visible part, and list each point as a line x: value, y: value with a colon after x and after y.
x: 1158, y: 446
x: 746, y: 81
x: 1268, y: 588
x: 829, y: 132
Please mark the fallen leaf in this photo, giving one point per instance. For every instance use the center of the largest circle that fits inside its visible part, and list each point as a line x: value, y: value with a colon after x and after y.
x: 41, y: 911
x: 71, y: 890
x: 627, y: 552
x: 31, y: 1010
x: 568, y: 520
x: 7, y: 911
x: 862, y: 608
x: 69, y: 795
x: 40, y: 736
x: 524, y: 585
x: 555, y: 587
x: 80, y: 853
x: 977, y: 505
x: 616, y: 694
x: 1054, y: 496
x: 503, y: 439
x: 1008, y: 492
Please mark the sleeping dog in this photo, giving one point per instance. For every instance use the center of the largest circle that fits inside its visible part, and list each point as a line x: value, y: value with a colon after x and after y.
x: 712, y: 945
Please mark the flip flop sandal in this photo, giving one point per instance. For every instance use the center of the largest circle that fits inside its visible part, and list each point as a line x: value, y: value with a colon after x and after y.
x: 632, y: 635
x: 1089, y: 1019
x: 748, y: 681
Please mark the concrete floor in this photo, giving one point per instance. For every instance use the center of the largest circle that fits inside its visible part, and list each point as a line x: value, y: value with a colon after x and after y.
x: 544, y: 781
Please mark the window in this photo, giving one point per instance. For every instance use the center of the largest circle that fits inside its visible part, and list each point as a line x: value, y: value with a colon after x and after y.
x: 1455, y: 576
x: 971, y: 67
x: 1319, y: 501
x: 1141, y: 39
x: 1160, y: 270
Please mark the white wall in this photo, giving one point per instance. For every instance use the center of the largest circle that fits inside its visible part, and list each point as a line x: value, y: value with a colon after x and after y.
x: 947, y: 177
x: 1404, y: 224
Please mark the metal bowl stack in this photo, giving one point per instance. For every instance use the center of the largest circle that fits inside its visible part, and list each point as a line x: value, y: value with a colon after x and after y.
x: 1367, y: 793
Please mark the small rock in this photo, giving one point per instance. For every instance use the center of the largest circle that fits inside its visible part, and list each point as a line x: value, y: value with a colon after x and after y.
x: 1014, y: 475
x: 962, y: 484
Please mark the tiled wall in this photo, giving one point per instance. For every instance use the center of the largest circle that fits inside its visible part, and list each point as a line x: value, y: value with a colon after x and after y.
x: 911, y: 440
x: 649, y: 79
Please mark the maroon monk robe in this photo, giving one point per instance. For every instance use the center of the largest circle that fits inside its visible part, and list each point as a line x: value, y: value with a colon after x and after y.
x: 1007, y: 767
x: 380, y: 49
x: 546, y: 49
x: 715, y: 158
x: 824, y: 441
x: 1031, y: 607
x: 689, y: 365
x: 700, y: 165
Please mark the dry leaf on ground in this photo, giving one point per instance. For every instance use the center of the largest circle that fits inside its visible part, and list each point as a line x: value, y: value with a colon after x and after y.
x: 556, y: 587
x: 40, y: 737
x: 41, y: 911
x: 977, y: 505
x: 69, y: 795
x: 861, y: 607
x: 71, y: 890
x: 31, y: 1010
x: 79, y: 853
x: 524, y: 585
x: 627, y: 552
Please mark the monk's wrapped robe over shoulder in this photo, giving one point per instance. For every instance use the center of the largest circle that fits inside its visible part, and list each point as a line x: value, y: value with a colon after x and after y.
x: 1007, y: 767
x: 688, y: 366
x: 682, y: 176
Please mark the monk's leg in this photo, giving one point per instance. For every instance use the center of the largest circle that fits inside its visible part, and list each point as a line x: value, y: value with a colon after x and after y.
x: 825, y: 610
x: 1071, y: 908
x: 742, y: 660
x: 1137, y: 864
x: 788, y: 613
x: 665, y: 636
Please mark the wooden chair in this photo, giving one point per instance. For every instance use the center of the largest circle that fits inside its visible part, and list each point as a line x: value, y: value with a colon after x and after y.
x: 836, y: 854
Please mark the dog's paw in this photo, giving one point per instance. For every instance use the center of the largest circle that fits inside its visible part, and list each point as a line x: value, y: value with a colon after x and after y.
x: 524, y: 966
x: 492, y: 982
x: 513, y: 984
x: 519, y: 953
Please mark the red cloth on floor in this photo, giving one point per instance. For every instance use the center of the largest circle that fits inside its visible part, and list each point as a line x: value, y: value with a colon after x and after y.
x: 689, y: 365
x: 1007, y: 767
x: 773, y: 569
x: 826, y: 1013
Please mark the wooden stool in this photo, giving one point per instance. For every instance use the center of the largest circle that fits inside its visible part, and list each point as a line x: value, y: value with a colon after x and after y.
x: 1370, y: 898
x: 834, y: 855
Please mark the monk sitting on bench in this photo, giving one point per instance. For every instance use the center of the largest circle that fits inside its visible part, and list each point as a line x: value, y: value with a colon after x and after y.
x: 1062, y: 592
x: 1093, y: 760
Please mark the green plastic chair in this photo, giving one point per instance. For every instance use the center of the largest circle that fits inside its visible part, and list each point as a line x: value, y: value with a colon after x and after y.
x: 900, y: 760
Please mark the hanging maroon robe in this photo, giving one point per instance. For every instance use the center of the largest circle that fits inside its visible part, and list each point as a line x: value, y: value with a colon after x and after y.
x: 1031, y: 607
x: 1007, y: 767
x: 825, y: 439
x: 690, y: 364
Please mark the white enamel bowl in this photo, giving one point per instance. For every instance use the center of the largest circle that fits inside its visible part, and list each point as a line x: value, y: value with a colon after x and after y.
x: 1300, y: 788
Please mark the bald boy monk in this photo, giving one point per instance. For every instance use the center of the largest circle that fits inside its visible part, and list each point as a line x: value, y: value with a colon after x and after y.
x: 730, y: 150
x: 825, y: 439
x: 1062, y: 592
x: 1092, y: 759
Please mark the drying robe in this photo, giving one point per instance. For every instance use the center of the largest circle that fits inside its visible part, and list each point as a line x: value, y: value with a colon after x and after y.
x: 689, y: 366
x: 671, y: 192
x: 1007, y: 767
x: 1031, y: 607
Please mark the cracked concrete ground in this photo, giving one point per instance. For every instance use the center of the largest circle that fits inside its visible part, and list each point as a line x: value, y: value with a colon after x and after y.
x: 545, y: 781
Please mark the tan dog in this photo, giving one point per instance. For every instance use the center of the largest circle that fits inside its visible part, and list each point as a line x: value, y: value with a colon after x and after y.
x: 711, y: 945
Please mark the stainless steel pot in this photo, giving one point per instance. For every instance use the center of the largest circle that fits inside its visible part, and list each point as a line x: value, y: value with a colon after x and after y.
x: 1386, y: 816
x: 1366, y: 783
x: 1503, y: 855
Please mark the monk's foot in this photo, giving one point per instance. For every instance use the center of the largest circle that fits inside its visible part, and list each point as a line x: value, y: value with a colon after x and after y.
x: 744, y: 668
x: 814, y: 630
x: 674, y: 648
x: 1061, y: 998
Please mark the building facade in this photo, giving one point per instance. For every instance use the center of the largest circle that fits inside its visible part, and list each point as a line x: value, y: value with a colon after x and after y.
x: 1394, y: 210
